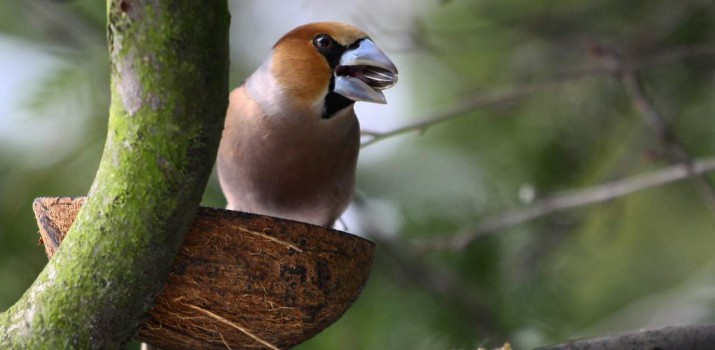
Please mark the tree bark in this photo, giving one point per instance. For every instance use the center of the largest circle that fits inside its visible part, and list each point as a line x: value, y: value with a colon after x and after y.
x: 690, y: 337
x: 169, y: 76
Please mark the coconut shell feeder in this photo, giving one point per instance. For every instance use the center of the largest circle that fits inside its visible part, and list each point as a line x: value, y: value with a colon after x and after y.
x: 240, y: 280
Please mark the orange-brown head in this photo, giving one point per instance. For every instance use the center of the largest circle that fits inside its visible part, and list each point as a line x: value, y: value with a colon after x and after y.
x: 331, y: 65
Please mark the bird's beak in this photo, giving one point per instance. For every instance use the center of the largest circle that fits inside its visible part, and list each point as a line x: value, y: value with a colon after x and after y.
x: 363, y: 72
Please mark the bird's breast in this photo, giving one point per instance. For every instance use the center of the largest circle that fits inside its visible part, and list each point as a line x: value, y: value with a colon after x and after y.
x: 294, y: 167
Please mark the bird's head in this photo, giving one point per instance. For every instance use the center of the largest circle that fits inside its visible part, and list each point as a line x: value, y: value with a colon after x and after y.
x: 330, y: 65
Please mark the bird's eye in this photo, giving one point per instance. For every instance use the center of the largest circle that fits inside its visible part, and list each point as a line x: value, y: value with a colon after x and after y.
x: 323, y: 42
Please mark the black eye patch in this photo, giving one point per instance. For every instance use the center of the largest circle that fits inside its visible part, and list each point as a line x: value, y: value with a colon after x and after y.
x: 331, y: 49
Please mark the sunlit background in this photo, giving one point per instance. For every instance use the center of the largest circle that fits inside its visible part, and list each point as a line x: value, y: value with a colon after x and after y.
x: 532, y: 107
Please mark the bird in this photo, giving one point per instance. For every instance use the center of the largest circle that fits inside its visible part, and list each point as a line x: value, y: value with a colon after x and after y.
x: 291, y: 137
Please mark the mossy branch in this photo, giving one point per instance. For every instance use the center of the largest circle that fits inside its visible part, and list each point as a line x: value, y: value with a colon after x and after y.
x: 169, y: 62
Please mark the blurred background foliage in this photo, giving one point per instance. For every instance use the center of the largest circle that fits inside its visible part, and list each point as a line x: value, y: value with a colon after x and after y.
x: 560, y: 118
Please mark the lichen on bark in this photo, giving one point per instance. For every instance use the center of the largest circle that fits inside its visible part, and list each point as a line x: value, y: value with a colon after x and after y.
x: 169, y: 66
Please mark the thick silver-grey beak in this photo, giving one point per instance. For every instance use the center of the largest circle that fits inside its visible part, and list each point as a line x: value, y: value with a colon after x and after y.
x: 363, y: 72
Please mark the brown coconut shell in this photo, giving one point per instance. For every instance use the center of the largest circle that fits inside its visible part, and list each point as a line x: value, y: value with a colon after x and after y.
x: 240, y: 280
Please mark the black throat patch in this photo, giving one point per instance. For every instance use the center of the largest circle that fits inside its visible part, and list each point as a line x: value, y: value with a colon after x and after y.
x: 334, y: 102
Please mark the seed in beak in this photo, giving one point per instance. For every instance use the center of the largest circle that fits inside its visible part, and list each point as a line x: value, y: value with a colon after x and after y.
x: 376, y: 77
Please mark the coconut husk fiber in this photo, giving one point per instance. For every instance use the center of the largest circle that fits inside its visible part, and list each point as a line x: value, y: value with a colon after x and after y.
x: 240, y: 280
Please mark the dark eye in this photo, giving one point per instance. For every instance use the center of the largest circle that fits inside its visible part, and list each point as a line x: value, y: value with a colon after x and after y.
x: 323, y: 42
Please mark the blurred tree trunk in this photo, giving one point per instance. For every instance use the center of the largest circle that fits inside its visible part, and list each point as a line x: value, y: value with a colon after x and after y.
x: 169, y: 61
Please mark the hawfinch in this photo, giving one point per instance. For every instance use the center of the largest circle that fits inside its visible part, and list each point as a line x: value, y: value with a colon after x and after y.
x: 291, y: 138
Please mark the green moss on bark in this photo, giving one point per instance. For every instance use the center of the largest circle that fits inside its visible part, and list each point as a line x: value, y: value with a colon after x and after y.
x: 169, y: 93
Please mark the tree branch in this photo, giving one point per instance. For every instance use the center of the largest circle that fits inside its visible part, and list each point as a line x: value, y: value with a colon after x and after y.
x: 169, y: 91
x: 690, y: 337
x: 573, y: 199
x: 664, y: 132
x: 520, y: 91
x: 676, y: 54
x: 442, y: 284
x: 479, y: 102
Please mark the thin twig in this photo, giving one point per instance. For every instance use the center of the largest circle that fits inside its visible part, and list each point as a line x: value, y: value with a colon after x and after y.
x: 677, y: 54
x: 478, y: 102
x: 675, y: 150
x: 521, y: 91
x: 405, y: 266
x: 443, y: 284
x: 573, y: 199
